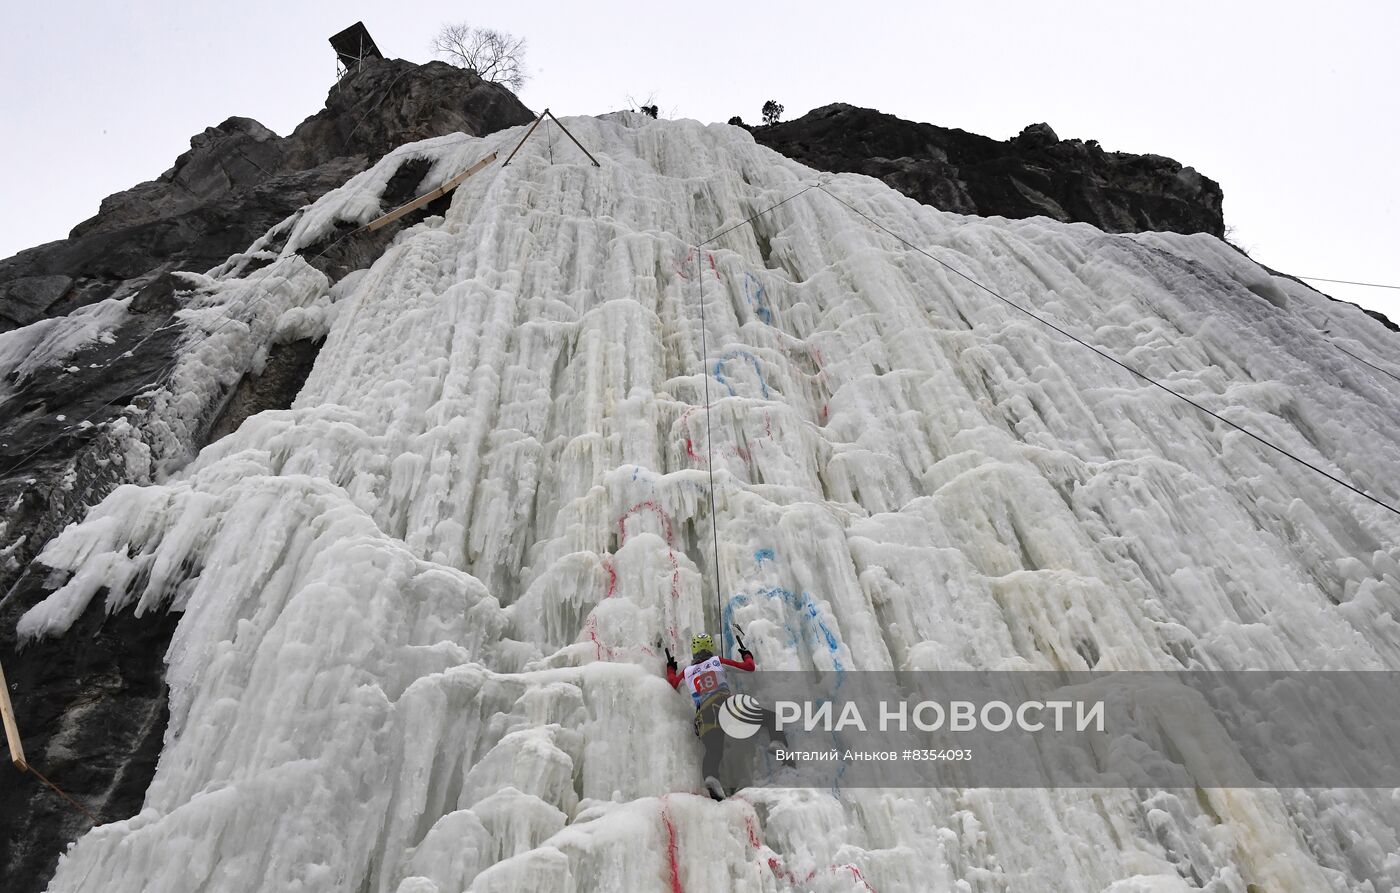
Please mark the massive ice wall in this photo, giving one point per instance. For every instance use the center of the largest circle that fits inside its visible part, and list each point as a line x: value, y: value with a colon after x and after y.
x: 421, y: 608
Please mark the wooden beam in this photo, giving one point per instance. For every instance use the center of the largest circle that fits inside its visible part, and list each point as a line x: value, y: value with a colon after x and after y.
x: 561, y: 127
x: 525, y: 137
x: 422, y: 200
x: 571, y: 136
x: 7, y: 711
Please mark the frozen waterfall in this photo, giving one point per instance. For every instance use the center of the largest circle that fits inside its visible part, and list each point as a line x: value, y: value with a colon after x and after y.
x: 421, y: 608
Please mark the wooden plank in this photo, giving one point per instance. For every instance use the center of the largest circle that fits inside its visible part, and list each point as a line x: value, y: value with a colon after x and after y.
x: 422, y: 200
x: 11, y: 728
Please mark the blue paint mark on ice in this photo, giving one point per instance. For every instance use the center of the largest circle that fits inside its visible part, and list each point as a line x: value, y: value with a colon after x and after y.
x: 810, y: 626
x: 733, y: 354
x: 757, y: 297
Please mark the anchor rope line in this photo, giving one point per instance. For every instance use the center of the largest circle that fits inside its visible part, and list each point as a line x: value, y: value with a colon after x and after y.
x: 709, y: 438
x: 751, y: 218
x: 16, y: 745
x: 1107, y: 356
x: 705, y: 376
x: 1348, y: 282
x: 1367, y: 362
x: 64, y: 794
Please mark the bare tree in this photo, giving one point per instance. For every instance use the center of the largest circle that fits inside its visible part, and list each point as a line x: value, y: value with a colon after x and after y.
x: 494, y: 55
x: 648, y: 106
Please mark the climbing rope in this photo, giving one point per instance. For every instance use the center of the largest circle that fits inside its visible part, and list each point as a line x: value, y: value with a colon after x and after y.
x: 1367, y: 362
x: 1046, y: 322
x: 1348, y: 282
x: 1112, y: 359
x: 709, y: 430
x: 752, y: 217
x: 709, y: 438
x: 16, y: 745
x: 57, y: 790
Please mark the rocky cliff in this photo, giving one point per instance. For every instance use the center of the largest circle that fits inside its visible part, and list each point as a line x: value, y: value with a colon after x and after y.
x: 1033, y: 174
x: 71, y: 394
x: 419, y: 610
x: 93, y: 703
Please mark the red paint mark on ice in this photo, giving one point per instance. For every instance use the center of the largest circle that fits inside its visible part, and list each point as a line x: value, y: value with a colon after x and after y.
x: 685, y: 427
x: 612, y: 576
x: 752, y: 830
x: 787, y: 875
x: 649, y: 505
x: 591, y: 628
x: 671, y: 857
x: 605, y: 651
x: 732, y: 449
x: 782, y: 873
x: 683, y: 268
x: 860, y: 877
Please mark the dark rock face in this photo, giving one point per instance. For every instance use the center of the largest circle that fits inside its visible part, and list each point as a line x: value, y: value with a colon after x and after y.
x: 237, y: 180
x: 1034, y: 173
x: 285, y: 371
x: 92, y: 707
x: 91, y: 704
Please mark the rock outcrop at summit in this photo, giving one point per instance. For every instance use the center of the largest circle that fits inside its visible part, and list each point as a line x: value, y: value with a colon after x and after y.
x: 1035, y: 173
x: 92, y: 713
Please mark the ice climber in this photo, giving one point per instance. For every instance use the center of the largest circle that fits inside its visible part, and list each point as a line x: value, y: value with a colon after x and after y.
x: 704, y: 680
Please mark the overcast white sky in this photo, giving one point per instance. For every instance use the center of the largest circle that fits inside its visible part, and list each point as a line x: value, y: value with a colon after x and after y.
x: 1291, y: 106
